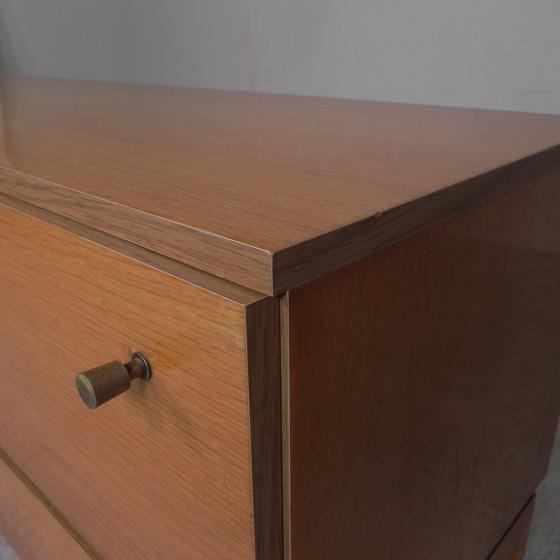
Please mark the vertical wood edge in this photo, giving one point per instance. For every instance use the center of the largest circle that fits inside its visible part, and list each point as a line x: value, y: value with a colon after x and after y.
x: 286, y: 446
x: 265, y: 409
x: 52, y: 510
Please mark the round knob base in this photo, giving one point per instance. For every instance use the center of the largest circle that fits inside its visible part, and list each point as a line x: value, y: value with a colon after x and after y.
x: 98, y: 385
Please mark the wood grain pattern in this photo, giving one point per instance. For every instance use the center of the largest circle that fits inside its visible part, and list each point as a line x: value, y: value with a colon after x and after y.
x: 253, y: 187
x: 169, y: 461
x: 194, y: 276
x: 512, y: 546
x: 425, y: 386
x: 32, y: 530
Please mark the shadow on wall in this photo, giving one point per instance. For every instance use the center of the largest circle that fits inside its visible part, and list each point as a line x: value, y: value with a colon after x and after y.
x: 7, y: 66
x: 8, y: 63
x: 4, y: 45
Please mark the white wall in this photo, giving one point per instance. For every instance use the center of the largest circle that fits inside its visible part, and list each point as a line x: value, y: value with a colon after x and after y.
x: 501, y: 54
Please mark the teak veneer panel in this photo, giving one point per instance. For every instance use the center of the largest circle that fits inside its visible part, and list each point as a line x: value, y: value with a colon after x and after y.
x: 176, y: 467
x: 424, y: 387
x: 269, y: 191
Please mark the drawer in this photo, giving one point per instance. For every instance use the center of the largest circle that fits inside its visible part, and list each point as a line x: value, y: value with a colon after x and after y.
x: 26, y: 523
x: 164, y: 470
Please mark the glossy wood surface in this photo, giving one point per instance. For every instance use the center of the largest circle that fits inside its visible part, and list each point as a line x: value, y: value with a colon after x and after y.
x: 203, y: 280
x: 512, y: 546
x: 424, y: 387
x: 164, y: 470
x: 266, y: 190
x: 31, y: 529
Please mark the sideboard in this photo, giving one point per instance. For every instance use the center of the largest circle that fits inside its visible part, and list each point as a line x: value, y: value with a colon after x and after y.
x: 350, y: 311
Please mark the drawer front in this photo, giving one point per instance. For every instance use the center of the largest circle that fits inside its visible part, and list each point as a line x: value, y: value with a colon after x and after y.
x: 164, y: 469
x: 29, y: 528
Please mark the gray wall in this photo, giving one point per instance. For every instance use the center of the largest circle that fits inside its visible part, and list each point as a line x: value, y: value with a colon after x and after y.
x: 501, y: 54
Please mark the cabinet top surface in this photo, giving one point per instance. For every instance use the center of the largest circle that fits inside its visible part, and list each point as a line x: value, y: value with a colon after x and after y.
x: 253, y: 186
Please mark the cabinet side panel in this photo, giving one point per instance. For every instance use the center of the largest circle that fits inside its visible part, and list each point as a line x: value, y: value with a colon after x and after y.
x: 424, y: 386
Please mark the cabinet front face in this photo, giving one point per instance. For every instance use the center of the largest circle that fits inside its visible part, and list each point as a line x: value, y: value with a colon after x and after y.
x: 424, y: 386
x: 164, y: 469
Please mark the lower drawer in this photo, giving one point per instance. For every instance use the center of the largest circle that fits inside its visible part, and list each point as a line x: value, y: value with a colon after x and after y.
x: 29, y: 526
x: 162, y: 471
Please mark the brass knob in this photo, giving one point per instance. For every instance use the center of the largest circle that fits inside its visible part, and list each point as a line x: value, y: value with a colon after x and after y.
x: 99, y: 385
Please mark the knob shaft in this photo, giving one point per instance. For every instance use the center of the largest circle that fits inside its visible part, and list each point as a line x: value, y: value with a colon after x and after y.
x: 98, y: 385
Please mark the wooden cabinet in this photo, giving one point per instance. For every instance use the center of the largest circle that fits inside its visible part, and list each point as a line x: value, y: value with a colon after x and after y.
x: 351, y: 310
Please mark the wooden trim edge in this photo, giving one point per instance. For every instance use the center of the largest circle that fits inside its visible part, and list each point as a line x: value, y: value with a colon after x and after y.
x: 263, y: 364
x: 297, y: 265
x: 286, y: 445
x: 256, y: 268
x: 226, y: 258
x: 203, y: 280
